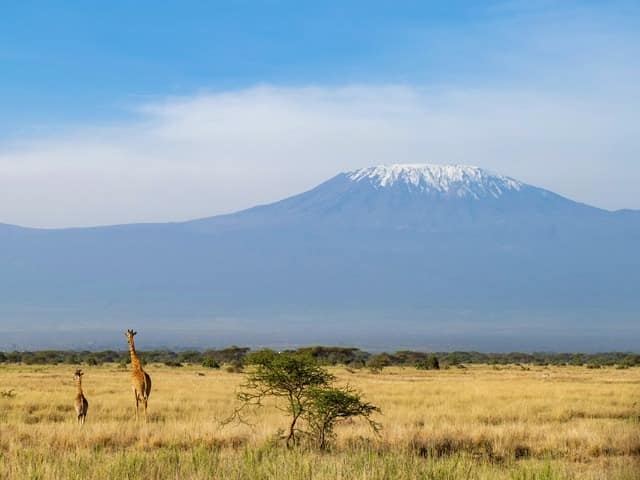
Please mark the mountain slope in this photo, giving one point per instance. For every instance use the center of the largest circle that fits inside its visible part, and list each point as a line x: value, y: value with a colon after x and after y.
x: 418, y: 197
x: 401, y: 253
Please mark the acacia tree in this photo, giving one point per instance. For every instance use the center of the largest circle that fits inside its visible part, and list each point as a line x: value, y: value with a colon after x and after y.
x: 328, y: 406
x: 305, y: 391
x: 285, y: 376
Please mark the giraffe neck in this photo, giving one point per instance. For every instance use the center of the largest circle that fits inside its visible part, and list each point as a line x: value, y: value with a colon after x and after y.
x: 79, y: 385
x: 135, y: 361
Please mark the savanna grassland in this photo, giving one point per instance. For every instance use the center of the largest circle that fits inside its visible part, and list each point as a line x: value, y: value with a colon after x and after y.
x: 479, y: 422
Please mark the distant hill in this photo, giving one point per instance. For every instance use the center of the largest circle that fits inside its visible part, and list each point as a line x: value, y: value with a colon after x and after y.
x: 423, y: 256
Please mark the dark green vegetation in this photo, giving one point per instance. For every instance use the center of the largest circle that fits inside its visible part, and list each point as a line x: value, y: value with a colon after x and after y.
x: 235, y: 357
x: 308, y: 392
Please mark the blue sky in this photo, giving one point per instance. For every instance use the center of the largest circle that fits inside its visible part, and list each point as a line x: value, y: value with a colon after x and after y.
x: 97, y: 98
x: 74, y: 60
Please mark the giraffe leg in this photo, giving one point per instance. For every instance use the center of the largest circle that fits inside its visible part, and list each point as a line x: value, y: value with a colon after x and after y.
x: 144, y: 404
x: 135, y: 399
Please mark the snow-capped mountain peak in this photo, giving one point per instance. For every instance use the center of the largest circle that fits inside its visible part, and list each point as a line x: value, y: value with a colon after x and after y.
x: 460, y: 181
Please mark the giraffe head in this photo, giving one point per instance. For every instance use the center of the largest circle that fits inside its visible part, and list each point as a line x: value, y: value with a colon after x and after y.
x: 129, y: 334
x: 78, y: 374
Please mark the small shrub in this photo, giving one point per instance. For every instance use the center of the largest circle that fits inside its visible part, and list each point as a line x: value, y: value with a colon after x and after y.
x: 172, y: 363
x: 429, y: 363
x: 235, y: 367
x: 210, y: 363
x: 189, y: 356
x: 377, y: 362
x: 577, y: 360
x: 91, y: 360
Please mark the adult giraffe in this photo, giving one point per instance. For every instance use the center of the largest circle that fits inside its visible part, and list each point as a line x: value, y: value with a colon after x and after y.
x: 140, y: 380
x: 80, y: 403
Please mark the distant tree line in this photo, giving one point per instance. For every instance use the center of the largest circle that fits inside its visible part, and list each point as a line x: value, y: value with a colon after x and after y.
x: 235, y: 357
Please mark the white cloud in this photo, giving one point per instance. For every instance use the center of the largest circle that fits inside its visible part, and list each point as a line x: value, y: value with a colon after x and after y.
x: 214, y: 153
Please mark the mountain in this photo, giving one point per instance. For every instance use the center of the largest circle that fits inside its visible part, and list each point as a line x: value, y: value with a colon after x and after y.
x: 422, y: 256
x: 414, y: 197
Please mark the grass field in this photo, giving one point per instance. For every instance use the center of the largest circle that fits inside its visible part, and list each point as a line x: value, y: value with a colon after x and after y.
x: 479, y: 422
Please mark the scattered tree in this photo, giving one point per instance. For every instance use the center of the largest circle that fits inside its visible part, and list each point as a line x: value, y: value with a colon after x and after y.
x: 305, y: 392
x: 329, y: 405
x: 285, y: 376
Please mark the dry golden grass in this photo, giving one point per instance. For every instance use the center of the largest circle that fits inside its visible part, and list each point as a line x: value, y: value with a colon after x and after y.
x: 477, y: 423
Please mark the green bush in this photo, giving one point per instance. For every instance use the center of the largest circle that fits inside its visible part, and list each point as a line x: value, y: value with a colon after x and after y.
x: 91, y: 361
x: 172, y: 363
x: 235, y: 366
x: 377, y: 362
x: 429, y: 363
x: 71, y: 359
x: 210, y: 363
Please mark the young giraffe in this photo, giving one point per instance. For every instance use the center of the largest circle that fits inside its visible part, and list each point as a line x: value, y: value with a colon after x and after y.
x: 80, y: 402
x: 140, y: 380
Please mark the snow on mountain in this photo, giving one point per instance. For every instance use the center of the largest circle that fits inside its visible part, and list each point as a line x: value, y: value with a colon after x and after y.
x: 422, y: 197
x: 460, y: 181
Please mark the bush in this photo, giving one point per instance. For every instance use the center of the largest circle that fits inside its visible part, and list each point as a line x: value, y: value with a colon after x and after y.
x: 91, y: 361
x: 14, y: 357
x: 377, y: 362
x: 210, y: 363
x: 577, y: 360
x: 72, y: 359
x: 231, y: 354
x: 452, y: 359
x: 172, y: 363
x: 429, y: 363
x: 348, y: 356
x: 235, y: 367
x: 190, y: 356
